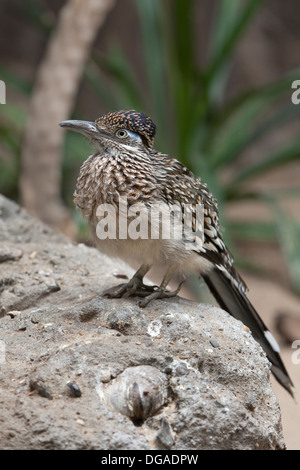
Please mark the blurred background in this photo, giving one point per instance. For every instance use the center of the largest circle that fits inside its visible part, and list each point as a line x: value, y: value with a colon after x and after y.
x: 215, y: 76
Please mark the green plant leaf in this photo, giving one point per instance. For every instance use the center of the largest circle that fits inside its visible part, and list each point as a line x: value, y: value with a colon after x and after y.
x: 151, y: 13
x: 247, y: 133
x: 278, y: 157
x: 289, y: 235
x: 14, y: 80
x: 268, y: 93
x: 97, y: 82
x: 247, y: 120
x: 253, y: 231
x: 230, y: 40
x: 181, y: 71
x: 224, y: 21
x: 117, y: 66
x: 14, y: 117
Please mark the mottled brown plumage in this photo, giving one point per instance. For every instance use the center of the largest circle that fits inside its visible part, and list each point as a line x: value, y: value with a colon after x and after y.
x: 126, y: 165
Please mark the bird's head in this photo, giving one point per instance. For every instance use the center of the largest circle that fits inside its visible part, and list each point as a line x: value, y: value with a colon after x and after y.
x: 124, y: 128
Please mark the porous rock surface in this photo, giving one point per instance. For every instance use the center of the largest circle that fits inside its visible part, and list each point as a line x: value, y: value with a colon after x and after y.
x: 79, y: 371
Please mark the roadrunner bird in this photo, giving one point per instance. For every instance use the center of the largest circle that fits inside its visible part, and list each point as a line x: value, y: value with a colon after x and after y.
x: 126, y: 165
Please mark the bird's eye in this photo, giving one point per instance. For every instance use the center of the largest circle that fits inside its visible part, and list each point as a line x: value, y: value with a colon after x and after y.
x: 121, y: 134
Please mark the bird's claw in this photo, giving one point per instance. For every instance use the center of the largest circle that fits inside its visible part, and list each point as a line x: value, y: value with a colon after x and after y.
x: 134, y: 287
x: 159, y: 294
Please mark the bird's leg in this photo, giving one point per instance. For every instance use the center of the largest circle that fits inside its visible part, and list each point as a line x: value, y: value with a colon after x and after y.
x: 133, y: 287
x: 160, y: 292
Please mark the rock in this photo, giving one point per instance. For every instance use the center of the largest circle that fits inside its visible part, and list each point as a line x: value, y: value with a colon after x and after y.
x: 139, y: 392
x: 176, y: 375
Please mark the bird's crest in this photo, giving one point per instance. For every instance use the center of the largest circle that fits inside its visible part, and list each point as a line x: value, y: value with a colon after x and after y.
x: 132, y: 121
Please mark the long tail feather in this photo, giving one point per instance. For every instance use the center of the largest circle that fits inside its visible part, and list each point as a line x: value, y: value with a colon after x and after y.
x: 234, y: 301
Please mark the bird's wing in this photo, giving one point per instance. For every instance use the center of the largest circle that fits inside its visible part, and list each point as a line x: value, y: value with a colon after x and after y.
x: 180, y: 186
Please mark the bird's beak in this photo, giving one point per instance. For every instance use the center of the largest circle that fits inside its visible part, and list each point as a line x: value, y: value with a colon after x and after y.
x: 84, y: 127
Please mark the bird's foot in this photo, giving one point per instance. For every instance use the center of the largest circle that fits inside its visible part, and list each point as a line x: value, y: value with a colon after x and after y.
x: 159, y: 293
x: 133, y: 287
